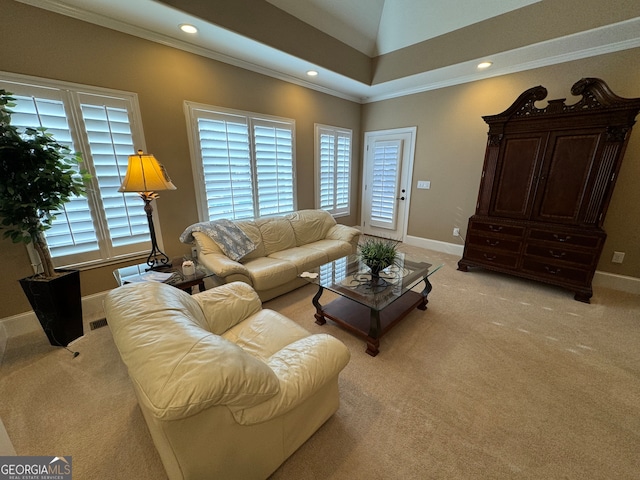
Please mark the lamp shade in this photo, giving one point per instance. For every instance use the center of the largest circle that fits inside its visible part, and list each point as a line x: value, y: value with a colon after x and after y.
x: 145, y: 174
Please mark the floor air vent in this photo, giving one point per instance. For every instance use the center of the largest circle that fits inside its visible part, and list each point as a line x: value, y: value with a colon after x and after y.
x: 98, y: 324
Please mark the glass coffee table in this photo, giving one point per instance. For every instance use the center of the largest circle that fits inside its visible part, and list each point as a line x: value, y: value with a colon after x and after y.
x: 370, y: 307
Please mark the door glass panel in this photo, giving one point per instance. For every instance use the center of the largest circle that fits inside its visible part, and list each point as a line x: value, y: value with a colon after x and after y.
x: 384, y: 183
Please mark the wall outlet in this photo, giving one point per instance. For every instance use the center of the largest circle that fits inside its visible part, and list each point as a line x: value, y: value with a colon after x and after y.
x: 194, y: 253
x: 618, y: 257
x: 456, y: 232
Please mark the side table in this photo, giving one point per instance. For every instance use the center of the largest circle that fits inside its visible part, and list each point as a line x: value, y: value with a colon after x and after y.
x: 172, y: 275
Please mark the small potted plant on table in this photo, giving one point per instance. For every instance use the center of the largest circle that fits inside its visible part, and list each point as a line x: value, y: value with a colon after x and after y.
x: 377, y: 254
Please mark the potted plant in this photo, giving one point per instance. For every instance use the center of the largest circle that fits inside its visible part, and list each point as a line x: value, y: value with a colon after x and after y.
x: 377, y: 254
x: 37, y: 177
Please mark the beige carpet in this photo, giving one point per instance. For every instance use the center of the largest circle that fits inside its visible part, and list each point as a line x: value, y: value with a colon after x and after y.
x: 500, y: 378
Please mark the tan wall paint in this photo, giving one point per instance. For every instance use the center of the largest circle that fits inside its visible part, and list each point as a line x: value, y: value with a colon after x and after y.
x: 451, y: 141
x: 44, y: 44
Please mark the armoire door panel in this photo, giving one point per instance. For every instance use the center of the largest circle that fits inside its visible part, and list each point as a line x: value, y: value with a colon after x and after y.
x: 564, y: 185
x: 517, y: 170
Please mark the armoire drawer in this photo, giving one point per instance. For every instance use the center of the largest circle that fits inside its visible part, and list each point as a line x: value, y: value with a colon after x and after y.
x: 507, y: 244
x: 513, y: 230
x: 491, y: 257
x: 566, y: 238
x: 553, y: 252
x: 571, y: 274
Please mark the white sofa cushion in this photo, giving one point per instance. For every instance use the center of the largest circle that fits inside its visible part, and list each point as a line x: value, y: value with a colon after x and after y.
x: 302, y: 257
x: 332, y: 248
x: 252, y: 231
x: 277, y: 234
x: 264, y: 333
x: 269, y: 272
x: 223, y: 308
x: 310, y: 225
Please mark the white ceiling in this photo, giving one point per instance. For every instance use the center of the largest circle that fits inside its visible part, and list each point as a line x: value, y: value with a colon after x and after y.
x: 370, y: 26
x: 376, y: 27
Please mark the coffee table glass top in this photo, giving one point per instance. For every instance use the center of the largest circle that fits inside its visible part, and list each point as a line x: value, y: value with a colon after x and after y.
x: 349, y: 277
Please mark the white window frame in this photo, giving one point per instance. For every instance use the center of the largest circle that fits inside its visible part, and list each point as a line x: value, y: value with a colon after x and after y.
x: 195, y: 111
x: 72, y: 95
x: 336, y: 207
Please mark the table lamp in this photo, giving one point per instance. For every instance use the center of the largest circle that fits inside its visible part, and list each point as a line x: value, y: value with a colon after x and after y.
x: 145, y: 175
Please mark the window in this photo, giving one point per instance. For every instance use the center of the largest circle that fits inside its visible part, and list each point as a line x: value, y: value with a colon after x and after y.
x: 333, y: 169
x: 243, y: 163
x: 104, y: 127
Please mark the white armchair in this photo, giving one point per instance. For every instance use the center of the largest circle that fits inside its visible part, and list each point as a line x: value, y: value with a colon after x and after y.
x: 228, y: 389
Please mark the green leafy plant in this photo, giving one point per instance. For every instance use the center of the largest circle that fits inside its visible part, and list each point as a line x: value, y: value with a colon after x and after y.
x: 378, y: 253
x: 37, y: 177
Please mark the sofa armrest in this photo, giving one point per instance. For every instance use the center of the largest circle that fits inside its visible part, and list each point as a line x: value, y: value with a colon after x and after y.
x: 222, y: 265
x: 344, y: 233
x: 228, y: 305
x: 302, y: 368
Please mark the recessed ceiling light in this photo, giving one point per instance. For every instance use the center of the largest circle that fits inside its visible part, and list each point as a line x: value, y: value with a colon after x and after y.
x: 185, y: 27
x: 312, y: 73
x: 484, y: 65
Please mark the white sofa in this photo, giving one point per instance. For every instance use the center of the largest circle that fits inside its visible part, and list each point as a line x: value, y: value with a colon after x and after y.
x: 285, y: 246
x: 228, y: 390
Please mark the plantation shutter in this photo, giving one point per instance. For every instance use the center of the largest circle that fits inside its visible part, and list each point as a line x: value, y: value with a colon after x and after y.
x: 72, y: 231
x: 274, y: 167
x: 110, y: 140
x: 245, y: 164
x: 386, y: 177
x: 334, y: 169
x: 226, y: 164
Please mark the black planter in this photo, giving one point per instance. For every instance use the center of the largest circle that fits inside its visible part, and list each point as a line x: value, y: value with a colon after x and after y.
x: 58, y: 305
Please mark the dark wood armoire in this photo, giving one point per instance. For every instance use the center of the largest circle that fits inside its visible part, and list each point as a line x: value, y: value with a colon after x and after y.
x: 547, y: 180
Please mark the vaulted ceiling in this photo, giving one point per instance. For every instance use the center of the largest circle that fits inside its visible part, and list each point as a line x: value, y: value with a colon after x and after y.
x: 368, y: 50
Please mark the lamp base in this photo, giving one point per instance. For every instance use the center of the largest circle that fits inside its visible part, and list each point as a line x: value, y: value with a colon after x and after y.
x: 157, y: 259
x: 158, y: 265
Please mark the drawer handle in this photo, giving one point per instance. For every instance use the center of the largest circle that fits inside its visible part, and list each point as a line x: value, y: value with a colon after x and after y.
x: 492, y: 244
x: 491, y: 258
x: 557, y: 255
x: 495, y: 228
x: 563, y: 238
x: 552, y: 271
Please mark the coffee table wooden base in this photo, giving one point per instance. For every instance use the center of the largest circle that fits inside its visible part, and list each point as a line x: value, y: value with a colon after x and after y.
x: 367, y: 322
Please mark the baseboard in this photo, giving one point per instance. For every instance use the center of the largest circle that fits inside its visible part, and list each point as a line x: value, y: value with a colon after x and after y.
x: 444, y: 247
x: 600, y: 279
x: 617, y: 282
x: 27, y: 322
